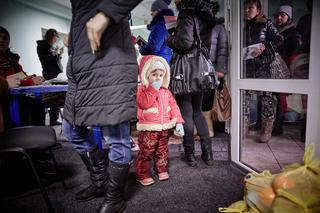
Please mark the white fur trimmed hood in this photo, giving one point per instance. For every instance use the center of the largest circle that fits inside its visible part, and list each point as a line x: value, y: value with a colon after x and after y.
x: 148, y: 64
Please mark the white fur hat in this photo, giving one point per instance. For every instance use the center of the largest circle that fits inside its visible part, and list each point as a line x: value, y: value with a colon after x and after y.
x: 150, y: 63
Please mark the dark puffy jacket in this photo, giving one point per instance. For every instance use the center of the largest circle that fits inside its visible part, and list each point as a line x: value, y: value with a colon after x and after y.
x: 292, y: 41
x: 49, y: 61
x: 102, y: 87
x: 261, y: 30
x: 157, y: 39
x: 219, y: 48
x: 184, y: 40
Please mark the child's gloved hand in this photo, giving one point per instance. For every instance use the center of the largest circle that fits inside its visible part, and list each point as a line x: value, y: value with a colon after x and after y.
x: 156, y: 85
x: 179, y: 129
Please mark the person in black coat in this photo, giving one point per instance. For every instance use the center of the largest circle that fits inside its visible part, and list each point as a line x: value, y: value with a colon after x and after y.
x: 292, y: 38
x: 182, y: 41
x: 263, y: 38
x: 102, y: 76
x: 292, y: 44
x: 50, y: 57
x: 51, y: 66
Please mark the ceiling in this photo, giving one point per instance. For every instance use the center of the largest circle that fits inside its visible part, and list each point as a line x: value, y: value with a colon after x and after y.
x: 142, y: 11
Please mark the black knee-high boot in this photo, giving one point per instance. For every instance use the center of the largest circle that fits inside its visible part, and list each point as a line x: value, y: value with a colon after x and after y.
x: 206, y: 149
x: 114, y: 199
x: 96, y: 165
x: 189, y: 154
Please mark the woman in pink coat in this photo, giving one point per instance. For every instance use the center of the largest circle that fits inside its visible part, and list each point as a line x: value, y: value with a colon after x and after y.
x: 157, y: 113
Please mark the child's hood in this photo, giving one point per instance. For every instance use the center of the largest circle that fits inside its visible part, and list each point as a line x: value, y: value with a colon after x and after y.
x: 147, y: 65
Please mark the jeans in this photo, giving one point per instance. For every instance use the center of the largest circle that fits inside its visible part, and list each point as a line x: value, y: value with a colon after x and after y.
x: 118, y: 137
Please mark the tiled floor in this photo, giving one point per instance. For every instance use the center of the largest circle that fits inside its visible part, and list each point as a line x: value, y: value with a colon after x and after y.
x: 279, y: 152
x: 274, y: 155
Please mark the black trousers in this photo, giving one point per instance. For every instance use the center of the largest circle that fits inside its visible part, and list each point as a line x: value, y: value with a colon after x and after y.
x: 190, y: 107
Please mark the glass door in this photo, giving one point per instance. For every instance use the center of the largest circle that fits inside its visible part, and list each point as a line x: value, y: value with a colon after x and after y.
x: 273, y: 119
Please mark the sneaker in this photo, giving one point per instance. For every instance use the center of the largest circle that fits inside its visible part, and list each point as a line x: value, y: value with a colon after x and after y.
x: 163, y: 176
x: 146, y: 182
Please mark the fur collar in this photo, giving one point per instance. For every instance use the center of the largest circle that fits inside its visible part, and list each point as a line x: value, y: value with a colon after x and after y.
x: 203, y: 9
x: 285, y: 27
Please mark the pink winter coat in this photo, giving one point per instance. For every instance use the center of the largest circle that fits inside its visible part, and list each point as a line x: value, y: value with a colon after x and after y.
x: 157, y: 109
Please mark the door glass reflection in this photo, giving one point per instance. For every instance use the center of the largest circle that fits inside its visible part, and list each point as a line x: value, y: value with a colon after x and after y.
x: 273, y: 127
x: 276, y: 39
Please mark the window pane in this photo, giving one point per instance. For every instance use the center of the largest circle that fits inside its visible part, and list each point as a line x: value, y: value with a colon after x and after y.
x: 273, y: 129
x: 276, y: 39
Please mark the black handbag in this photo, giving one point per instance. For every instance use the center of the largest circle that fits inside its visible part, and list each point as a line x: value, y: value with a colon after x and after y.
x: 193, y: 71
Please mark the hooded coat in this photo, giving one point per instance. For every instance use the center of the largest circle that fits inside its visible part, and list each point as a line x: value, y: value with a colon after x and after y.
x: 102, y: 86
x: 157, y: 109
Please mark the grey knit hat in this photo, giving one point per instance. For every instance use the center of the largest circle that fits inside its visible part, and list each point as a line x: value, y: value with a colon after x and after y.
x: 287, y: 9
x: 160, y: 5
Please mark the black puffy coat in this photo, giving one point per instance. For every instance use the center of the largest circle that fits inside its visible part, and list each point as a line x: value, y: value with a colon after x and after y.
x: 261, y: 30
x: 184, y: 38
x: 49, y: 61
x: 102, y: 86
x: 292, y: 41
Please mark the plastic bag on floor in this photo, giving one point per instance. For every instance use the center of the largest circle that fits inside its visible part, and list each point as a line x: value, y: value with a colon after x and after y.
x: 237, y: 207
x: 259, y: 193
x: 298, y: 187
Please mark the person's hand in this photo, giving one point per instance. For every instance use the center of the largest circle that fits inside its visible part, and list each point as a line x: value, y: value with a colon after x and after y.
x: 179, y: 129
x: 95, y: 28
x: 258, y: 50
x: 61, y: 51
x: 13, y: 81
x: 220, y: 74
x: 38, y: 80
x: 156, y: 85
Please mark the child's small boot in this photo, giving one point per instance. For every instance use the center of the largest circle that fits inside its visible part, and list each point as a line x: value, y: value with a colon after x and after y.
x: 163, y: 176
x: 146, y: 182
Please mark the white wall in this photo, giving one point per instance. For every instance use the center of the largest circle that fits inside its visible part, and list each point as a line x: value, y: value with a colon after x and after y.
x: 24, y: 24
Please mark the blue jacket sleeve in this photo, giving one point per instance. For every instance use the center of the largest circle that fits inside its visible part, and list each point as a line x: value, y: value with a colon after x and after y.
x: 156, y: 39
x: 117, y: 9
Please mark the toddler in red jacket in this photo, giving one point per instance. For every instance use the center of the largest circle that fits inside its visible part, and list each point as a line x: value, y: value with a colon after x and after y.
x: 158, y: 112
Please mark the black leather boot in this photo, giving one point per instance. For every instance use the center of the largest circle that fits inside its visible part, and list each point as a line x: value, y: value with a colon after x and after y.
x: 206, y: 149
x: 96, y: 165
x: 189, y: 154
x: 114, y: 200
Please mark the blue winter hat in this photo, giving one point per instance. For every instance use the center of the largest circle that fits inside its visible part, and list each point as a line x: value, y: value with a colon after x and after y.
x: 159, y: 5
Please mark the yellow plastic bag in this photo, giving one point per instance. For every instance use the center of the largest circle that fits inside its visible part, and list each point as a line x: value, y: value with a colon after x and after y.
x: 258, y: 191
x: 298, y: 187
x: 237, y: 207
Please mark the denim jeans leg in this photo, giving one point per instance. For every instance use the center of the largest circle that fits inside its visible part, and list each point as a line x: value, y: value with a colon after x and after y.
x: 79, y: 136
x: 118, y: 137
